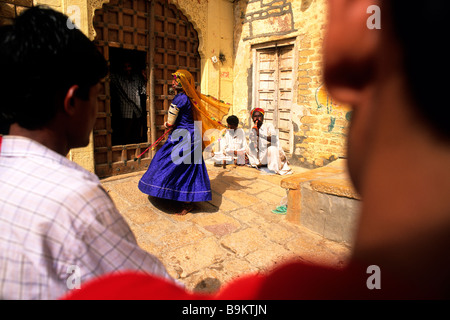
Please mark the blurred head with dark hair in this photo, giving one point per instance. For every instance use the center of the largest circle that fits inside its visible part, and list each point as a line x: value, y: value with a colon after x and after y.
x: 357, y: 65
x: 48, y: 69
x: 233, y: 122
x: 398, y: 144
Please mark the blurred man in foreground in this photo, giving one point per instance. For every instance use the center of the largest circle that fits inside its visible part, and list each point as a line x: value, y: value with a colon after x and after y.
x: 398, y: 158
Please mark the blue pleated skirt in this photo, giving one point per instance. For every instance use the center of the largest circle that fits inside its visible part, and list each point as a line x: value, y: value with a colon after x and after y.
x: 178, y: 171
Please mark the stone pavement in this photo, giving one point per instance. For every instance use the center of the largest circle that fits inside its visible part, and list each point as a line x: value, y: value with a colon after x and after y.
x: 234, y: 234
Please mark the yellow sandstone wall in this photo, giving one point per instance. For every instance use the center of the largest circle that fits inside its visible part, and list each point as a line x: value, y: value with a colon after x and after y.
x: 323, y: 122
x: 214, y: 22
x: 319, y: 124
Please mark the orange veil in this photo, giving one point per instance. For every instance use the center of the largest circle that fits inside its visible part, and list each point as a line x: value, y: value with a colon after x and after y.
x: 207, y: 109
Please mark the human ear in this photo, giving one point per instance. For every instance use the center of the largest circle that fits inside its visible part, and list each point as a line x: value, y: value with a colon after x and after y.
x: 350, y: 48
x: 69, y: 99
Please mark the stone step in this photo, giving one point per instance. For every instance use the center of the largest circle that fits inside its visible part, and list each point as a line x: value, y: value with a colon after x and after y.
x: 324, y: 200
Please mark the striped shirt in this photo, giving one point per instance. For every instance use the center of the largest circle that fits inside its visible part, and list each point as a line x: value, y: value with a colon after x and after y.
x: 58, y: 226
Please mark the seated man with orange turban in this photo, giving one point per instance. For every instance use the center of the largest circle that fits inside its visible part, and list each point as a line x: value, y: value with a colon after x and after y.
x: 263, y: 148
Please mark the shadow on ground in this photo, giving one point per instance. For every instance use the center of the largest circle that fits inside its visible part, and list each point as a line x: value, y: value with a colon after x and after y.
x: 171, y: 206
x: 219, y: 185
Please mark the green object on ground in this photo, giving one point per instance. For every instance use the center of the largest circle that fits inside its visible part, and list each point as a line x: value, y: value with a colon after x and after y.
x: 280, y: 210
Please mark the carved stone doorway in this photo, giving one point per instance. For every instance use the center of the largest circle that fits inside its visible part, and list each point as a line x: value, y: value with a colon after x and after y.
x: 158, y: 39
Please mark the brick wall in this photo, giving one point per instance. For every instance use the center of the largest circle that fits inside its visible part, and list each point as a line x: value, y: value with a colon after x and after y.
x: 322, y: 122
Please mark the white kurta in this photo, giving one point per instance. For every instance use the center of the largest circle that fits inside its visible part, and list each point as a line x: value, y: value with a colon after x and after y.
x: 261, y: 152
x: 233, y: 140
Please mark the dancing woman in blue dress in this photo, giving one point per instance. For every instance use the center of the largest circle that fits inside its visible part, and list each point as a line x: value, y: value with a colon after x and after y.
x: 177, y: 171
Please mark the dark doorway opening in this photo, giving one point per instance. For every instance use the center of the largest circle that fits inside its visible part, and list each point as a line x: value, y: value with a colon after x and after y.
x: 128, y: 96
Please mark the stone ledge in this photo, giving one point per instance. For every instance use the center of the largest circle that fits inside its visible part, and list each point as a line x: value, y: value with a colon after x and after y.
x: 331, y: 179
x: 324, y: 201
x: 293, y: 182
x: 341, y: 187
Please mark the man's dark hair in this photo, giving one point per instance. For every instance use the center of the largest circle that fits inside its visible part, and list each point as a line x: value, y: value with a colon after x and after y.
x: 421, y: 28
x: 233, y: 120
x: 41, y: 57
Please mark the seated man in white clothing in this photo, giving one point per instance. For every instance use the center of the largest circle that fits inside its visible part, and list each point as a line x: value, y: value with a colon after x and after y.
x: 263, y: 148
x: 233, y: 144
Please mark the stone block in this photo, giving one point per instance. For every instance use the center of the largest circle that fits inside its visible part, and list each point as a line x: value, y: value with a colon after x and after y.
x: 267, y: 257
x: 308, y: 120
x: 217, y: 223
x: 141, y: 215
x: 130, y: 193
x: 324, y: 200
x: 333, y: 217
x: 238, y: 196
x: 180, y: 237
x: 194, y: 257
x: 244, y: 242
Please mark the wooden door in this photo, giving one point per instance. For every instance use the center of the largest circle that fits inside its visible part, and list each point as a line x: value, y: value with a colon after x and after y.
x: 175, y: 45
x: 161, y: 40
x: 274, y: 88
x: 266, y: 82
x: 285, y: 94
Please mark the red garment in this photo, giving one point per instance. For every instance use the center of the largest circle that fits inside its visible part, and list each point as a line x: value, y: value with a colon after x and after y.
x: 293, y: 281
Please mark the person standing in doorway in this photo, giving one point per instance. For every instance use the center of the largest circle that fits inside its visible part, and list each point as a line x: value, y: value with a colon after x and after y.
x: 128, y: 87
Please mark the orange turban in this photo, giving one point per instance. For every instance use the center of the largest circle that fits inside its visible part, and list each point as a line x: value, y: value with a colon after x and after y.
x: 256, y: 109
